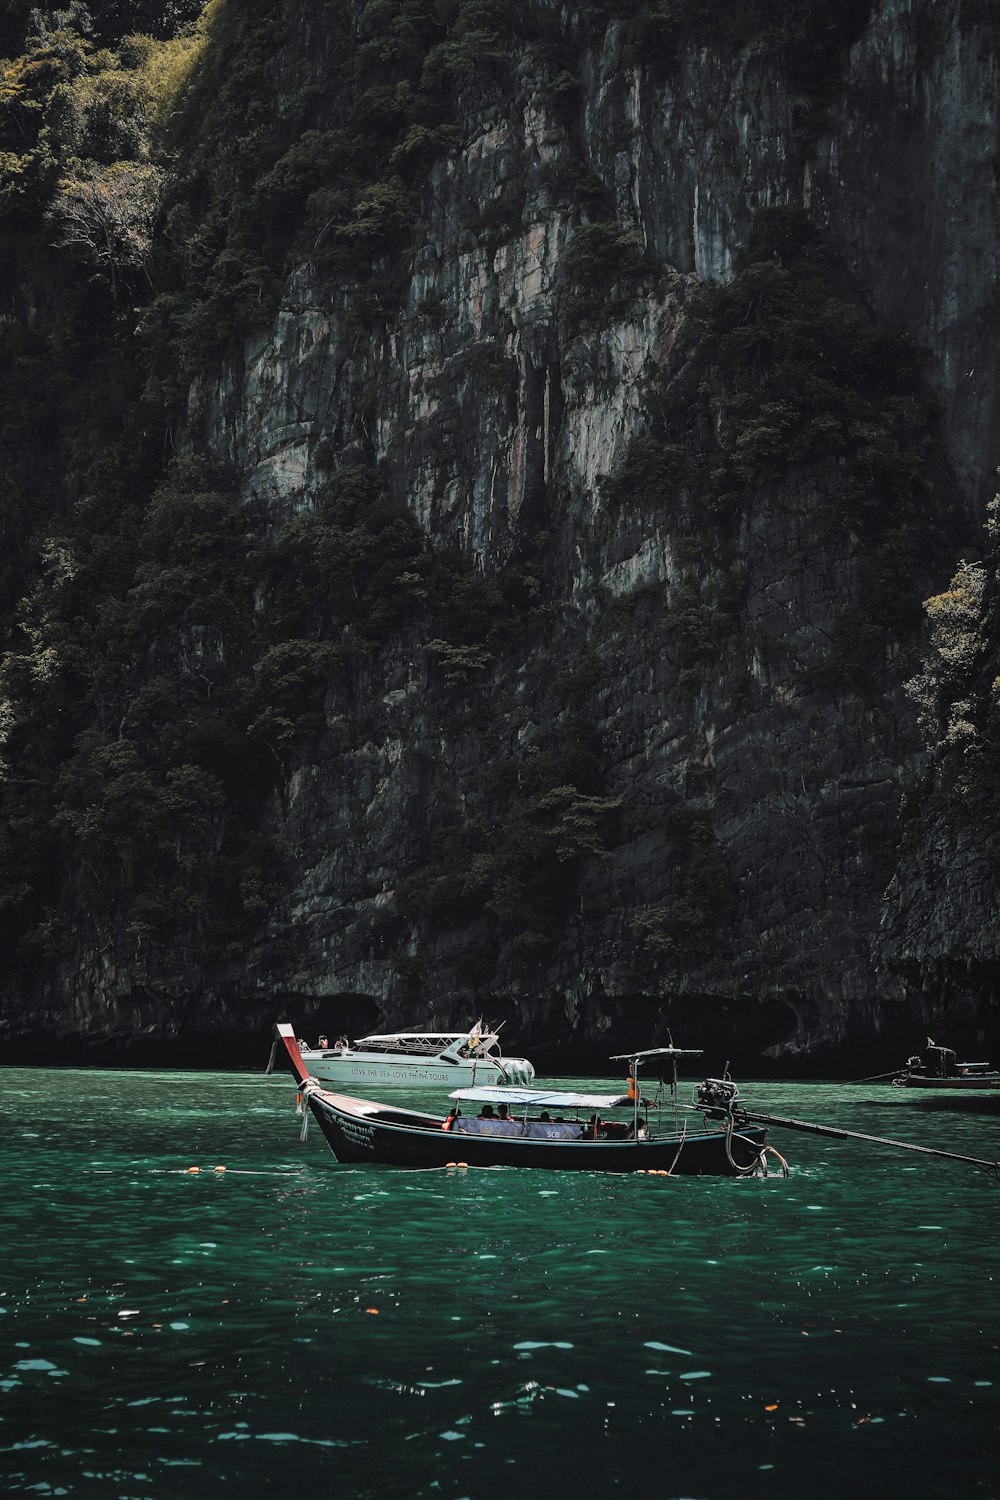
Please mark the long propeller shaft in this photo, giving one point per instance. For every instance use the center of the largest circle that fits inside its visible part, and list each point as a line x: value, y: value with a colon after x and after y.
x: 835, y: 1133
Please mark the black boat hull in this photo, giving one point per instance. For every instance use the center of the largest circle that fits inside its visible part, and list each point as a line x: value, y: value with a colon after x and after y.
x: 361, y: 1133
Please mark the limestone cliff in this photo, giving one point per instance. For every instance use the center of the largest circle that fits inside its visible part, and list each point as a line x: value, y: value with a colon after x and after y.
x: 747, y: 766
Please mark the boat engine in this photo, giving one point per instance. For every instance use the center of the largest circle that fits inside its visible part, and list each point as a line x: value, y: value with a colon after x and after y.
x: 717, y: 1093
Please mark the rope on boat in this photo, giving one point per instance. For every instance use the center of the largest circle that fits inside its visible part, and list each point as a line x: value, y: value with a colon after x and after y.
x: 773, y: 1151
x: 680, y: 1148
x: 304, y: 1089
x: 811, y: 1128
x: 301, y: 1107
x: 738, y: 1168
x: 759, y: 1163
x: 872, y: 1078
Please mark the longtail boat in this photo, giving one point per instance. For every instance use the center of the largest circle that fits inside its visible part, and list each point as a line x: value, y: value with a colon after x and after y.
x: 516, y: 1128
x: 939, y: 1068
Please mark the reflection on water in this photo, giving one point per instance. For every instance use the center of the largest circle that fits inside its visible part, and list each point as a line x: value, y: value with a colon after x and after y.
x: 969, y: 1103
x: 288, y: 1321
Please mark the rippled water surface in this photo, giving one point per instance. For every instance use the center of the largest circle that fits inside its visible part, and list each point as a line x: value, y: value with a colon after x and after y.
x: 290, y: 1322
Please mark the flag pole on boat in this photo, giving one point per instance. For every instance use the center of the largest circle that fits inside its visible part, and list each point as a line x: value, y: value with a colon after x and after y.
x: 634, y: 1060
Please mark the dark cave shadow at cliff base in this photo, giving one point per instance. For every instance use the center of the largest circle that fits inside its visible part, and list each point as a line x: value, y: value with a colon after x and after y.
x: 237, y: 1041
x: 124, y: 1059
x: 728, y: 1032
x: 242, y: 1051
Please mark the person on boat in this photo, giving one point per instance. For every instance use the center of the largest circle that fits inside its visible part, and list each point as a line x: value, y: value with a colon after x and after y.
x: 486, y: 1113
x: 322, y: 1044
x: 502, y: 1113
x: 451, y: 1117
x: 543, y: 1118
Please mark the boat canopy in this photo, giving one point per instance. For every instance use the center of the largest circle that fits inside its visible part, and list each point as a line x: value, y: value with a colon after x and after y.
x: 541, y: 1098
x: 414, y: 1036
x: 420, y: 1043
x: 657, y: 1052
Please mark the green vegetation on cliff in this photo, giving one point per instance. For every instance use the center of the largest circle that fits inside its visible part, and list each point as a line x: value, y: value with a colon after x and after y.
x: 957, y: 690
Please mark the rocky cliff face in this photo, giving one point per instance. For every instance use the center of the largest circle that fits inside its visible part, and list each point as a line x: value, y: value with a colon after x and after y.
x: 743, y: 887
x: 909, y: 187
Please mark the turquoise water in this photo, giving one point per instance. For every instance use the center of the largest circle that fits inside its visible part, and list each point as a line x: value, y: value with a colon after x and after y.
x: 291, y: 1322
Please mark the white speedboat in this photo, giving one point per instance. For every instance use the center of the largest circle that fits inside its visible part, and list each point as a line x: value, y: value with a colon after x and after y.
x: 410, y: 1059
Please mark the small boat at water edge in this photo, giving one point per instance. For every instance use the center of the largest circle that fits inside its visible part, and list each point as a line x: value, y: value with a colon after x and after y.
x: 361, y: 1130
x: 411, y: 1059
x: 939, y: 1068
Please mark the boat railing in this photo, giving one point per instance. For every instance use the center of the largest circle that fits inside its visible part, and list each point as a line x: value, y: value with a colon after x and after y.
x: 412, y: 1046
